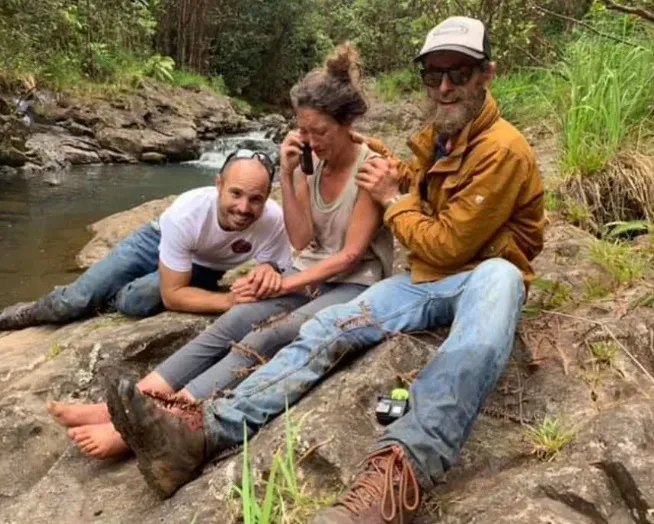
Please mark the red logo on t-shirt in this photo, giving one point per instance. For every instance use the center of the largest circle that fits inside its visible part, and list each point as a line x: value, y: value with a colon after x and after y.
x: 241, y: 246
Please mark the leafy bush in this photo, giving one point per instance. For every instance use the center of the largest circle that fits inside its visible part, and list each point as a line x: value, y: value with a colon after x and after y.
x: 527, y: 96
x: 390, y: 86
x: 608, y: 100
x: 160, y: 68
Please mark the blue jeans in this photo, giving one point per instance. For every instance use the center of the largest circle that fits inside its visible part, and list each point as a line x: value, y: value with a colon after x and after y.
x: 483, y: 307
x: 127, y: 279
x: 213, y: 362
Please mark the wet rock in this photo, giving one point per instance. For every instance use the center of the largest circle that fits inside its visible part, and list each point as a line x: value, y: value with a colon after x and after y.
x: 108, y: 156
x: 7, y: 171
x: 182, y: 145
x: 78, y: 156
x: 153, y: 158
x: 47, y: 151
x: 13, y: 136
x: 77, y: 129
x: 12, y: 157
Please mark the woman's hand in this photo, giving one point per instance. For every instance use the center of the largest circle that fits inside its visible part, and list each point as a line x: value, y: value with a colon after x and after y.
x: 243, y: 292
x: 289, y: 155
x: 261, y: 282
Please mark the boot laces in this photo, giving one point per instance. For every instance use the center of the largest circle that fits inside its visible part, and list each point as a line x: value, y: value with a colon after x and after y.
x: 384, y: 470
x: 190, y: 412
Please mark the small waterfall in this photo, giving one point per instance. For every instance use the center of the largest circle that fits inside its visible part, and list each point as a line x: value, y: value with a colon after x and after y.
x: 214, y: 153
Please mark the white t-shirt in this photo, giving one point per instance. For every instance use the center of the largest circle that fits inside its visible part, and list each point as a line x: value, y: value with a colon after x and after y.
x: 190, y: 233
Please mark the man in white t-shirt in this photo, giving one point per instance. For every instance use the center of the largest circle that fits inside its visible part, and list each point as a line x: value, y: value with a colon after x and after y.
x: 177, y: 261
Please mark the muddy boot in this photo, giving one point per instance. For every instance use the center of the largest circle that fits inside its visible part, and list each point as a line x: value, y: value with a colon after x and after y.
x: 169, y: 444
x: 19, y: 316
x: 386, y: 491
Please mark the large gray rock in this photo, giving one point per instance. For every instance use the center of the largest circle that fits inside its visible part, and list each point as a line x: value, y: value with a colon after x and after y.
x: 605, y: 475
x: 70, y: 362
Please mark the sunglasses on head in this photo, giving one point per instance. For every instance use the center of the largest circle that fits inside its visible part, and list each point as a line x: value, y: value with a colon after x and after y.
x: 248, y: 154
x: 458, y: 76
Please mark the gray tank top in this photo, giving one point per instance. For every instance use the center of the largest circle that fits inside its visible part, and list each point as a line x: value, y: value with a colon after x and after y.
x: 330, y: 223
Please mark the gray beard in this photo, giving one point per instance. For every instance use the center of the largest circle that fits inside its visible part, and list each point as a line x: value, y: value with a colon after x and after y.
x: 451, y: 123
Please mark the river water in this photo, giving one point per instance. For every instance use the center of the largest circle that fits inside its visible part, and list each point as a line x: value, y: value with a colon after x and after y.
x: 43, y: 227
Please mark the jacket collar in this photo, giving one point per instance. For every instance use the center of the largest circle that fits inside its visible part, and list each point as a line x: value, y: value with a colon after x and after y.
x: 423, y: 143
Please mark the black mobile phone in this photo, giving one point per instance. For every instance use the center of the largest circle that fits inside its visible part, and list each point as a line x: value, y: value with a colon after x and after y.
x: 306, y: 160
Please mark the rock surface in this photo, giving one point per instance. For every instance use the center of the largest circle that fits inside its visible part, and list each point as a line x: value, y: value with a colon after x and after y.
x: 605, y: 475
x: 156, y: 124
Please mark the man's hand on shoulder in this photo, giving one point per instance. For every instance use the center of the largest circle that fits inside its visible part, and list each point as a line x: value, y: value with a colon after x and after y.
x: 379, y: 177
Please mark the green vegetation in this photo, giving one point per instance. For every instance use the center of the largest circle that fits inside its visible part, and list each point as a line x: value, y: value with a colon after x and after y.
x: 191, y: 80
x: 595, y: 288
x: 54, y: 350
x: 64, y: 43
x: 619, y: 261
x: 525, y: 97
x: 619, y: 229
x: 396, y: 84
x: 609, y: 100
x: 260, y: 49
x: 548, y: 438
x: 603, y: 352
x: 280, y: 498
x: 555, y: 294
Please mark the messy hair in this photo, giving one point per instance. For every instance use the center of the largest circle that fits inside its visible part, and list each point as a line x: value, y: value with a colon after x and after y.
x: 334, y: 88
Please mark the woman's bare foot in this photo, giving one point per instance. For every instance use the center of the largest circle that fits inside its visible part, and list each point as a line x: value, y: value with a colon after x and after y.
x: 98, y: 440
x: 73, y: 415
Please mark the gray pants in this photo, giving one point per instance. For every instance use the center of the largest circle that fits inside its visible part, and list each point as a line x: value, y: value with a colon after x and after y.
x: 244, y: 337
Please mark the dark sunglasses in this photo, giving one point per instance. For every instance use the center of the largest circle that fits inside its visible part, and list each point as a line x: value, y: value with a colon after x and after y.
x: 460, y: 76
x: 248, y: 154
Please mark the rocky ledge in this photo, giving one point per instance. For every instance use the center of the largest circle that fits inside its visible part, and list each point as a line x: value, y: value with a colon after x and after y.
x: 156, y: 124
x: 605, y: 474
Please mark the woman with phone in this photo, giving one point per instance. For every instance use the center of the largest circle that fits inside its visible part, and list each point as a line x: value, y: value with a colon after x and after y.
x: 341, y: 248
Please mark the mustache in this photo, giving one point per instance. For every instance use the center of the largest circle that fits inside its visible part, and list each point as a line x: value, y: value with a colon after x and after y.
x: 447, y: 99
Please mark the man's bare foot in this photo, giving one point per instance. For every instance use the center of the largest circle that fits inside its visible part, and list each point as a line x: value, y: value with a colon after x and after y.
x: 98, y: 440
x: 72, y: 415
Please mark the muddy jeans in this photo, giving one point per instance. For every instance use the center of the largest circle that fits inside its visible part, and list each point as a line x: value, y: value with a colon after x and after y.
x: 127, y: 279
x: 483, y: 307
x: 244, y: 337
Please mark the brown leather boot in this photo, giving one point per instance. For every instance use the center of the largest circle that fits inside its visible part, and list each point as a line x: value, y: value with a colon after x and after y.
x: 169, y: 444
x: 386, y: 491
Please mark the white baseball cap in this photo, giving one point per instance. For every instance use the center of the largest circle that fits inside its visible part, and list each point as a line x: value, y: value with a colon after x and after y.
x: 458, y: 33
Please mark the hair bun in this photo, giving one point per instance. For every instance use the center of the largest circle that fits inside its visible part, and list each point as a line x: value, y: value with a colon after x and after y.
x: 344, y: 64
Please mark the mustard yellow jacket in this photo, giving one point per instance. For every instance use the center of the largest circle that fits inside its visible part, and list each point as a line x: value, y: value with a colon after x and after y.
x: 484, y: 200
